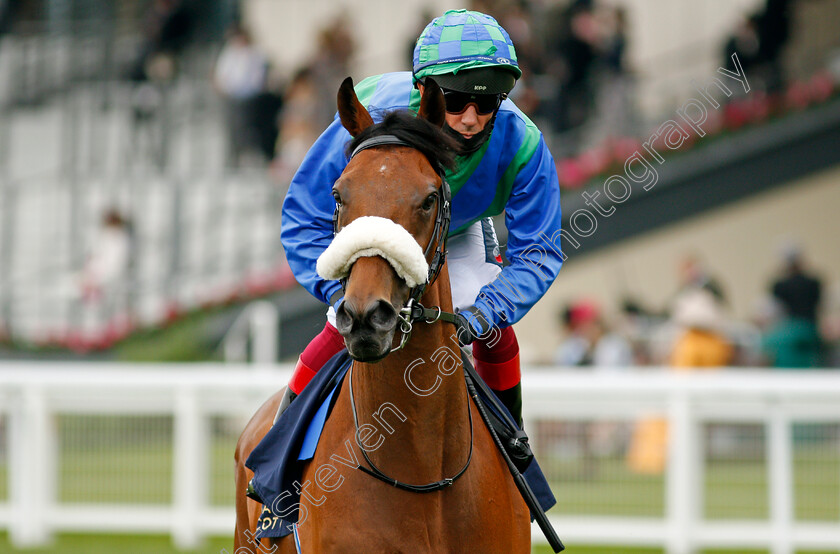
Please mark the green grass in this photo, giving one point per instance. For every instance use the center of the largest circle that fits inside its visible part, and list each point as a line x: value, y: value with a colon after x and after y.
x: 604, y: 487
x: 115, y: 459
x: 734, y: 489
x: 188, y: 339
x: 589, y: 549
x: 156, y: 544
x: 110, y: 544
x: 129, y: 459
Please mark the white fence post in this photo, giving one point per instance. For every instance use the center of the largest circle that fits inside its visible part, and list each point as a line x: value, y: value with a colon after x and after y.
x: 32, y: 469
x: 190, y: 475
x: 682, y: 474
x: 780, y: 480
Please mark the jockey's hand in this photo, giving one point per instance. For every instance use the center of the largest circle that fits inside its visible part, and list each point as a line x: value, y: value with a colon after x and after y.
x: 470, y: 324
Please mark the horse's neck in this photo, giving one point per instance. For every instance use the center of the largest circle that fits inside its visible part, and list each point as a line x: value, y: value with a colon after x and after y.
x: 425, y: 422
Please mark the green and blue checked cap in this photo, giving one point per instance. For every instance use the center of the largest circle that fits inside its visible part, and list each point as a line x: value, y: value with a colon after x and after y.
x: 462, y: 40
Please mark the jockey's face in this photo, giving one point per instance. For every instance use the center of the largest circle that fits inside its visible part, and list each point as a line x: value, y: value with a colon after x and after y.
x: 469, y: 122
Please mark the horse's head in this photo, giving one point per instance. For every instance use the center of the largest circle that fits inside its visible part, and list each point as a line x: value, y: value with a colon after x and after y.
x: 388, y: 220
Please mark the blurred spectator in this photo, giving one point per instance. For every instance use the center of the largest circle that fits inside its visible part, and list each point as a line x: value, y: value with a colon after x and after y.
x: 108, y: 262
x: 830, y: 327
x: 6, y: 16
x: 589, y: 343
x: 267, y: 107
x: 637, y: 324
x: 744, y: 43
x: 240, y: 76
x: 613, y: 114
x: 701, y: 343
x: 518, y: 19
x: 331, y: 65
x: 309, y: 104
x: 298, y: 127
x: 794, y: 341
x: 573, y: 36
x: 693, y: 275
x: 166, y: 31
x: 773, y: 26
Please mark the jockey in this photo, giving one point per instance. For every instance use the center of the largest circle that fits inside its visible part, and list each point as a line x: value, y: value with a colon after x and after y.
x: 504, y: 166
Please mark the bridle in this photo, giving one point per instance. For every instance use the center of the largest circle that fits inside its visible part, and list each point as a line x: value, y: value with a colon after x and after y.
x: 413, y: 311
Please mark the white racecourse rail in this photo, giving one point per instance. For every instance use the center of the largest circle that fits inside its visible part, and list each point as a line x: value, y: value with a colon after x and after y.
x: 31, y: 394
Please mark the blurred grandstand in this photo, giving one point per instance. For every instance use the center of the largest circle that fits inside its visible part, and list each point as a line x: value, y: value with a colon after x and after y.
x: 82, y: 133
x: 109, y: 106
x: 123, y: 217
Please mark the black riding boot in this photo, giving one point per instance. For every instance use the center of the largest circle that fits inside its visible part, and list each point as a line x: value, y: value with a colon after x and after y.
x: 512, y: 399
x: 516, y: 444
x: 288, y: 396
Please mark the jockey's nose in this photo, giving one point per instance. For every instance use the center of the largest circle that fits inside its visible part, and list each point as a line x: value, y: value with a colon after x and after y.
x: 470, y: 115
x: 379, y: 316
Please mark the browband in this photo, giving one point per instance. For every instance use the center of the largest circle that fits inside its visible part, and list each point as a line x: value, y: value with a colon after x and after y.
x: 381, y: 140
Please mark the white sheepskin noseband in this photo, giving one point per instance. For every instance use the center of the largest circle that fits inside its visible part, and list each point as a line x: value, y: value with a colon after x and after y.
x: 374, y: 236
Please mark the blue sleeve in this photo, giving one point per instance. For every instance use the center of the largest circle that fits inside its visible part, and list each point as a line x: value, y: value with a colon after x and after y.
x: 533, y: 219
x: 306, y: 227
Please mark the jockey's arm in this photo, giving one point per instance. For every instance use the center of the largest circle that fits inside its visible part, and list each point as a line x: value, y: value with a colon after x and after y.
x: 306, y: 227
x: 533, y: 218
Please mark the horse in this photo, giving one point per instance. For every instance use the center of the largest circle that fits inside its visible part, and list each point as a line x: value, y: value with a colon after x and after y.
x: 403, y: 410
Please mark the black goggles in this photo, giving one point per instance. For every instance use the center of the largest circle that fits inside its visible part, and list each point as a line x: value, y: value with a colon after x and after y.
x: 457, y: 102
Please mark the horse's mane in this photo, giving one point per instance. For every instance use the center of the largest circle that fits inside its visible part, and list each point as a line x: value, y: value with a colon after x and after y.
x: 438, y: 147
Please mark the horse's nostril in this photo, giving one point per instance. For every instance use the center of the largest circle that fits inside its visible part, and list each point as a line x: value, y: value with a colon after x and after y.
x: 344, y: 316
x: 382, y: 316
x: 379, y: 316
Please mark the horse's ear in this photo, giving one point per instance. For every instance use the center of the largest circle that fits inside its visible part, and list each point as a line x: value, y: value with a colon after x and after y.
x: 432, y: 104
x: 354, y: 116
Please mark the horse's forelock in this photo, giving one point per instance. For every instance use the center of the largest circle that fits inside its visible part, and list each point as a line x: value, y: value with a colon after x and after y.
x: 438, y: 147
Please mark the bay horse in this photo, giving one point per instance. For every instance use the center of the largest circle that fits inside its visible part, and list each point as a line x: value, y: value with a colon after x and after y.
x: 409, y: 398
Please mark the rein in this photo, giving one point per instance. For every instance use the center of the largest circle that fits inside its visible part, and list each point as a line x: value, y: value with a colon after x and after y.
x: 413, y: 312
x: 379, y: 474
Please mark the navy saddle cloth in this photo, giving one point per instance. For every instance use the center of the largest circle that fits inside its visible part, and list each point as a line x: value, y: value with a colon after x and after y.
x: 278, y: 460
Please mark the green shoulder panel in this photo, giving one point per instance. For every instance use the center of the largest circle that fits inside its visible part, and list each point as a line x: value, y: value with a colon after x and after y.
x: 527, y: 148
x: 526, y: 151
x: 366, y: 88
x: 464, y: 169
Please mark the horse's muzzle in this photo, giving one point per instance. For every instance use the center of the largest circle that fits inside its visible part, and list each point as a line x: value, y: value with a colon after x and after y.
x: 368, y: 331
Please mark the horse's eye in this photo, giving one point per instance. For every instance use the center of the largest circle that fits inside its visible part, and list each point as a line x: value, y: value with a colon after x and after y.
x: 336, y: 197
x: 429, y: 202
